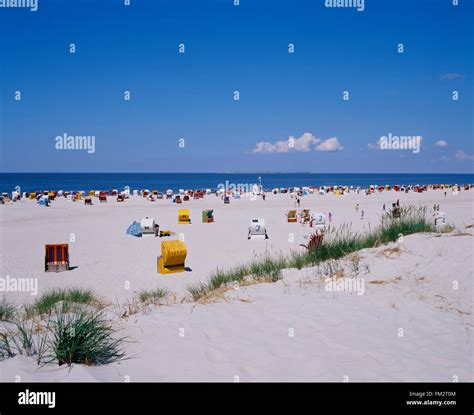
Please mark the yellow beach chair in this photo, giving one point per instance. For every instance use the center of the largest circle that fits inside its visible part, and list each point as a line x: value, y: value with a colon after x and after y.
x: 173, y: 256
x: 183, y: 217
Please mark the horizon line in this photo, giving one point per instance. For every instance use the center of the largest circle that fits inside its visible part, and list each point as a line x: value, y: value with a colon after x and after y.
x: 231, y: 172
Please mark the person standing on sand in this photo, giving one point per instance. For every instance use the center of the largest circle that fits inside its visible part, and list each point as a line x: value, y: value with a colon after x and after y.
x: 398, y: 202
x: 445, y: 194
x: 357, y: 207
x: 362, y: 214
x: 330, y: 216
x: 298, y: 201
x: 263, y: 196
x: 383, y: 207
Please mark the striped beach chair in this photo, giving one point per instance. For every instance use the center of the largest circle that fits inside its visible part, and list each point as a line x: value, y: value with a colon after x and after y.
x: 56, y: 257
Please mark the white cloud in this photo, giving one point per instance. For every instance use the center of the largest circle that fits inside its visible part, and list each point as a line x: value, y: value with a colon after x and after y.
x: 441, y: 143
x: 331, y: 144
x: 451, y: 76
x: 462, y: 155
x: 303, y: 144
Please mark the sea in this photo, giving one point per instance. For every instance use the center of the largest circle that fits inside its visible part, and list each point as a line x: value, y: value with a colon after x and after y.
x: 162, y: 181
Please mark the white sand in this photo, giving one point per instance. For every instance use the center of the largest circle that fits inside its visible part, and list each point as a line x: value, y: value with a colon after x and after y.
x: 335, y: 334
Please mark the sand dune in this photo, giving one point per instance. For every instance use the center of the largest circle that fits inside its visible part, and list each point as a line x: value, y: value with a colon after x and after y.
x: 292, y: 330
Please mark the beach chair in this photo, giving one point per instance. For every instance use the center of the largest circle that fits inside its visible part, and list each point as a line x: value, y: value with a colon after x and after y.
x: 257, y: 229
x: 207, y: 216
x: 292, y: 217
x: 103, y: 197
x: 183, y: 217
x: 33, y: 195
x: 305, y: 216
x: 177, y: 199
x: 186, y: 198
x: 173, y: 256
x: 440, y: 219
x: 226, y: 200
x: 88, y: 200
x: 120, y: 198
x: 318, y: 220
x: 56, y: 257
x: 165, y: 232
x: 149, y: 227
x: 44, y: 201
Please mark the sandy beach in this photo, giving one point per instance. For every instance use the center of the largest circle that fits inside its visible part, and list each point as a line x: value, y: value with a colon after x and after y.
x: 291, y: 330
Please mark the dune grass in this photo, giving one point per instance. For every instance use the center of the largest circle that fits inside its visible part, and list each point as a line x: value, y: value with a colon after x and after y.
x: 153, y: 297
x: 48, y: 301
x: 7, y: 310
x: 79, y: 337
x: 337, y: 243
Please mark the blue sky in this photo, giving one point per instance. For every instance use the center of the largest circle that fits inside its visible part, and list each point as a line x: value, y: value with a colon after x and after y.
x: 242, y: 48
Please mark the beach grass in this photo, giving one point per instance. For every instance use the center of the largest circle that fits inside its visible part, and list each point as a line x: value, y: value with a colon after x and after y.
x: 7, y: 310
x: 79, y: 337
x: 18, y: 340
x: 154, y: 296
x: 48, y: 301
x: 338, y: 243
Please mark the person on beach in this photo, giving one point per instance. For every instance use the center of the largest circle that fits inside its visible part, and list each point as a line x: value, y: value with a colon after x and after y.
x: 298, y: 201
x: 383, y: 207
x: 330, y: 216
x: 362, y: 214
x: 263, y: 196
x: 445, y: 193
x: 357, y: 207
x: 398, y: 202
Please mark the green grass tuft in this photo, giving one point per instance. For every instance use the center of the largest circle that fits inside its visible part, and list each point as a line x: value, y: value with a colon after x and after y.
x: 78, y: 337
x: 46, y: 303
x: 153, y: 297
x: 7, y: 310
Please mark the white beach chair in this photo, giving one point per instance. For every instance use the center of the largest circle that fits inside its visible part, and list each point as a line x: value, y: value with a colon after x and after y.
x: 257, y: 229
x: 149, y: 227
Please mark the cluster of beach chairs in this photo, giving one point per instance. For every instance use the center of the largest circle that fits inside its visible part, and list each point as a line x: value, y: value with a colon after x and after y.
x: 174, y: 252
x: 44, y: 198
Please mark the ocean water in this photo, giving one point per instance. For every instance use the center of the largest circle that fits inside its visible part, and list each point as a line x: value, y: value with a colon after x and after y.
x: 162, y: 181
